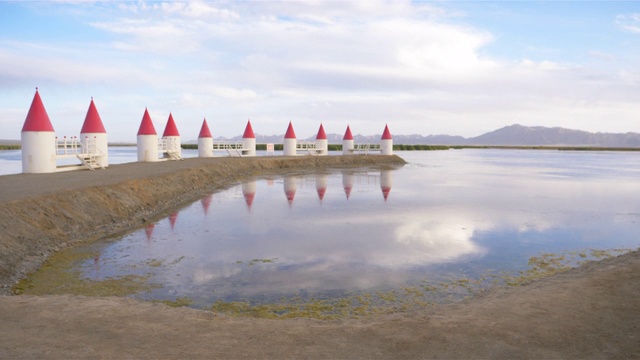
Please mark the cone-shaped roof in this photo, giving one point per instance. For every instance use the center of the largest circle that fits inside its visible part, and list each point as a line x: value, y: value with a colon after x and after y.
x: 248, y: 131
x: 206, y: 201
x: 248, y: 198
x: 172, y: 219
x: 37, y: 118
x: 386, y: 135
x: 204, y: 130
x: 146, y: 126
x: 347, y: 191
x: 92, y: 122
x: 290, y: 133
x: 171, y: 129
x: 347, y: 134
x: 321, y: 134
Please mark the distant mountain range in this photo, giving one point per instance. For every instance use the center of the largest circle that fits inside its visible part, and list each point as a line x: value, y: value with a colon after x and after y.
x: 513, y: 135
x: 506, y: 136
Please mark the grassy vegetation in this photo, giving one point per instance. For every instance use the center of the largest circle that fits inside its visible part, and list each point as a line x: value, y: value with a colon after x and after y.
x: 10, y: 147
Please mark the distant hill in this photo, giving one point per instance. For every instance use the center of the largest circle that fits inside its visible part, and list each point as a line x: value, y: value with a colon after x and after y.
x: 506, y: 136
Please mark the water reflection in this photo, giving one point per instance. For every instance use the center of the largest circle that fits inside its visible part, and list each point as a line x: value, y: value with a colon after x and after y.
x: 450, y: 214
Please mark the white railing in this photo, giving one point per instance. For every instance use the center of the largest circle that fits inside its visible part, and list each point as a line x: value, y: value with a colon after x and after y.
x: 228, y: 145
x: 366, y: 148
x: 70, y: 146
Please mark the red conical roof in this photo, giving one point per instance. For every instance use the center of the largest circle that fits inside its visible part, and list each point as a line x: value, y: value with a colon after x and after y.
x: 321, y: 134
x: 146, y: 126
x: 386, y: 135
x: 92, y: 122
x: 37, y: 118
x: 321, y: 191
x: 290, y: 133
x: 204, y: 130
x: 347, y: 134
x: 171, y: 129
x: 248, y: 131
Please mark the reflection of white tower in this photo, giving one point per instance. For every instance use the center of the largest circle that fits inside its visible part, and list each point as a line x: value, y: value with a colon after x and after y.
x: 347, y: 142
x: 205, y: 141
x: 38, y: 140
x: 94, y: 134
x: 249, y: 192
x: 290, y: 142
x: 172, y: 136
x: 322, y: 144
x: 347, y: 182
x: 321, y: 185
x: 290, y: 187
x: 386, y: 142
x: 147, y: 139
x: 386, y: 181
x: 249, y: 141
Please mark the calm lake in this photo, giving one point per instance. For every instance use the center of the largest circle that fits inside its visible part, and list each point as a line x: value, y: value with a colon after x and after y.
x: 455, y: 220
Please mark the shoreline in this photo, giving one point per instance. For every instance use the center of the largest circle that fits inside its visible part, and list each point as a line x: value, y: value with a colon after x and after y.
x: 587, y: 312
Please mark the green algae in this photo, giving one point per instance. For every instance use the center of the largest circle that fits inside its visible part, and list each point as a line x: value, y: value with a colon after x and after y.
x: 178, y: 302
x: 56, y: 277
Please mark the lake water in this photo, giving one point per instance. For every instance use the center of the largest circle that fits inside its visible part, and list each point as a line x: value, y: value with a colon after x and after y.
x: 465, y: 217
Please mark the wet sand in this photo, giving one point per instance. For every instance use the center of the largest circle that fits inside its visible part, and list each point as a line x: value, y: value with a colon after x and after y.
x: 588, y: 312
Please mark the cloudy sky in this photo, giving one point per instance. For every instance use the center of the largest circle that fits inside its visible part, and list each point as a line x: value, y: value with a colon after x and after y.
x: 458, y: 68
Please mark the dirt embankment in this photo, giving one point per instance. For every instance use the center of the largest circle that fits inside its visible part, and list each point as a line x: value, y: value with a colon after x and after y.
x: 42, y: 213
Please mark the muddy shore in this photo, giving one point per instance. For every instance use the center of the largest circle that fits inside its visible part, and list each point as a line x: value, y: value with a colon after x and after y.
x: 587, y: 312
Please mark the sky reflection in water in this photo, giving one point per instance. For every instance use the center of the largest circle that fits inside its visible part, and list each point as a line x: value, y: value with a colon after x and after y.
x: 457, y: 213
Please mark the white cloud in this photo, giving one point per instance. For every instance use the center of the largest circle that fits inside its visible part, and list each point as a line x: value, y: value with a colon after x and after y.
x: 629, y: 22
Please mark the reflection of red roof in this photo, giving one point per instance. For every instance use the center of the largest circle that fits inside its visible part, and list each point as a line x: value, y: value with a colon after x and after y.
x: 291, y: 194
x: 146, y: 126
x: 321, y: 134
x: 37, y: 118
x: 248, y: 131
x: 386, y: 135
x: 321, y: 191
x: 290, y: 133
x: 92, y: 122
x: 347, y: 191
x: 347, y: 134
x: 248, y: 198
x: 171, y: 129
x: 204, y: 130
x: 385, y: 192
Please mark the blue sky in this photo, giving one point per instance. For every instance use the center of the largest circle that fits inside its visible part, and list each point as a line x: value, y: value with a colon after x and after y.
x: 458, y: 68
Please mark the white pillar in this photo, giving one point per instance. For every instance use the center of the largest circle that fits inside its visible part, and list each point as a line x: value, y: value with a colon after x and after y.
x: 322, y: 144
x: 101, y: 144
x: 38, y: 152
x: 249, y: 141
x: 386, y: 142
x: 290, y: 142
x: 347, y: 142
x: 173, y: 145
x: 147, y: 148
x: 205, y: 147
x: 250, y: 145
x: 205, y: 141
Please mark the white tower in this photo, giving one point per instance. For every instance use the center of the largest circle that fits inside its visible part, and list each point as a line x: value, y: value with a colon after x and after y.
x: 147, y: 140
x: 249, y: 141
x: 38, y: 140
x: 322, y: 144
x: 205, y: 141
x: 290, y: 142
x: 249, y: 192
x: 290, y: 188
x: 347, y: 142
x: 321, y: 185
x: 172, y: 137
x: 94, y: 137
x: 386, y: 181
x: 386, y: 142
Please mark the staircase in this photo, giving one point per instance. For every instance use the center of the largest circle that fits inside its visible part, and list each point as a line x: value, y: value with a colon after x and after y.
x: 174, y: 155
x: 89, y: 161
